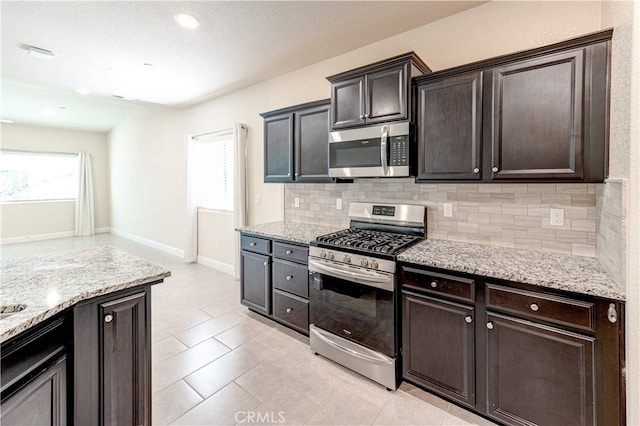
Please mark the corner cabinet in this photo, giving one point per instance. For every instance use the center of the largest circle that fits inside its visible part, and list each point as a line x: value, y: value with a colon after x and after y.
x: 113, y: 357
x: 539, y: 115
x: 375, y: 93
x: 296, y: 143
x: 516, y: 353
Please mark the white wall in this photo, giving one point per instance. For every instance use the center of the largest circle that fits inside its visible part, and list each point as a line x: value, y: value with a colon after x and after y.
x: 51, y: 218
x: 624, y: 16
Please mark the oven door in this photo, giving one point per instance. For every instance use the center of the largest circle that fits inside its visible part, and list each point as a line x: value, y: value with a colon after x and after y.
x: 353, y: 304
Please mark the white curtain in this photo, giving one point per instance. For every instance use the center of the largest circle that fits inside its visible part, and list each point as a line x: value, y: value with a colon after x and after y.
x: 239, y: 207
x: 85, y: 215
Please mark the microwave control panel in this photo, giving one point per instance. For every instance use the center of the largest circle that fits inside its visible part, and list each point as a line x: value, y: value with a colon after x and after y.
x: 399, y: 150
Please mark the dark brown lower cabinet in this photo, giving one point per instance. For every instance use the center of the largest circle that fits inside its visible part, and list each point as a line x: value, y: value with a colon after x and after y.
x: 255, y: 289
x: 113, y: 358
x: 538, y: 374
x: 447, y: 366
x: 42, y: 401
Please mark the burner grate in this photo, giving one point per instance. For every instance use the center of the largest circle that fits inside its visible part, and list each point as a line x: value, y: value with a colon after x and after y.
x: 369, y: 240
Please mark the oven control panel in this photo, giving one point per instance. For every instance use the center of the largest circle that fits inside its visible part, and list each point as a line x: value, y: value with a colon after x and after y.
x: 352, y: 260
x: 383, y: 210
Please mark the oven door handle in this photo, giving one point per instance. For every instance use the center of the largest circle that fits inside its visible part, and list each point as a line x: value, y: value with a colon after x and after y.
x: 373, y: 279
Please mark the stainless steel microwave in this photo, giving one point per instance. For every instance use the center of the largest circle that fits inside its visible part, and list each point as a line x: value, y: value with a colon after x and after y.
x: 374, y: 151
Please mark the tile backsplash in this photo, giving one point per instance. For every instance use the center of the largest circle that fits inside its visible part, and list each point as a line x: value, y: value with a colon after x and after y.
x: 511, y: 215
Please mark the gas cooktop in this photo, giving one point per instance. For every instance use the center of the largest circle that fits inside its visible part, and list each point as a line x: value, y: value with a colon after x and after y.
x: 368, y: 240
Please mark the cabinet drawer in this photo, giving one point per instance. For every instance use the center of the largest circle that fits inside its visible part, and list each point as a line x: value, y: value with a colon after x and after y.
x: 546, y: 307
x: 292, y: 310
x: 291, y: 277
x: 255, y: 244
x: 457, y: 288
x: 291, y: 252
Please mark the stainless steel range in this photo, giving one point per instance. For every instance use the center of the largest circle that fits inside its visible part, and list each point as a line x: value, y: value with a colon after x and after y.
x: 352, y: 288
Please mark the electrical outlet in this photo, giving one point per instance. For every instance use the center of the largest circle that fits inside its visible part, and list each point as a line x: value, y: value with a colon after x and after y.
x: 296, y: 202
x: 338, y: 203
x: 448, y: 209
x: 556, y: 217
x: 258, y: 199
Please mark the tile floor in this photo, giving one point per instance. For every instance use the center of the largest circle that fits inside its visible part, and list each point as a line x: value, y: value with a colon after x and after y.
x: 217, y: 363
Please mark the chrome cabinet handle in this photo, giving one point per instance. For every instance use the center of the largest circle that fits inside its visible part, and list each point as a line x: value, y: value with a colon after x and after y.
x: 265, y: 263
x: 366, y: 116
x: 108, y: 318
x: 490, y: 325
x: 361, y: 116
x: 289, y: 310
x: 476, y: 170
x: 289, y: 252
x: 252, y: 244
x: 612, y: 315
x: 345, y: 331
x: 289, y: 277
x: 495, y: 169
x: 534, y: 307
x: 434, y: 284
x: 468, y: 319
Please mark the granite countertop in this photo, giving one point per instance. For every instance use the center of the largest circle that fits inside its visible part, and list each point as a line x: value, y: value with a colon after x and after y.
x: 48, y: 284
x: 295, y: 232
x: 577, y: 274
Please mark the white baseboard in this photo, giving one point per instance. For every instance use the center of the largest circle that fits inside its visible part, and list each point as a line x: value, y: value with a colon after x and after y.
x: 150, y: 243
x: 216, y: 264
x: 42, y: 237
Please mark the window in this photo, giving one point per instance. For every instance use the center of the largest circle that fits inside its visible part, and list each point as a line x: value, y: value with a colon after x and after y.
x: 213, y: 171
x: 30, y: 176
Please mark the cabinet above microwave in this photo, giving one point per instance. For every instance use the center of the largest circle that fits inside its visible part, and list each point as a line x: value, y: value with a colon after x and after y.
x: 376, y: 93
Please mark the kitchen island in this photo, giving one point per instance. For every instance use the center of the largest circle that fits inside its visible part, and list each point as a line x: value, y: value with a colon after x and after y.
x: 76, y: 337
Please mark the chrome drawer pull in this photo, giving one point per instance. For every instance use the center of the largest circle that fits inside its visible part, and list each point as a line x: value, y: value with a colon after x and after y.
x: 289, y: 252
x: 252, y: 244
x: 347, y: 332
x: 289, y: 310
x: 108, y: 318
x: 265, y: 263
x: 534, y: 307
x: 490, y: 325
x: 612, y: 315
x: 468, y: 319
x: 434, y: 284
x: 476, y: 170
x: 289, y: 277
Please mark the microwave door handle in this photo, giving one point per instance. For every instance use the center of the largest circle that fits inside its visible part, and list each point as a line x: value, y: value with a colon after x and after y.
x: 383, y: 150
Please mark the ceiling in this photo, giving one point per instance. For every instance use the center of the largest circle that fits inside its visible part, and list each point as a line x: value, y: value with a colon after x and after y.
x: 132, y: 54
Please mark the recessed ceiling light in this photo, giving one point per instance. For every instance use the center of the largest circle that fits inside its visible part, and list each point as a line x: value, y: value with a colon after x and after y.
x: 186, y: 20
x: 39, y: 53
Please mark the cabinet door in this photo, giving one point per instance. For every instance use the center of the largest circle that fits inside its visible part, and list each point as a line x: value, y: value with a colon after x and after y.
x: 536, y: 128
x: 43, y: 401
x: 347, y: 103
x: 255, y: 281
x: 387, y: 93
x: 126, y: 389
x: 438, y: 346
x: 312, y: 144
x: 538, y: 374
x: 278, y: 148
x: 450, y: 128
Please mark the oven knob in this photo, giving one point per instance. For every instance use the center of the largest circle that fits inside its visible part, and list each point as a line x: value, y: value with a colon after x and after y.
x: 374, y: 264
x: 364, y: 262
x: 330, y: 255
x: 323, y: 254
x: 346, y: 258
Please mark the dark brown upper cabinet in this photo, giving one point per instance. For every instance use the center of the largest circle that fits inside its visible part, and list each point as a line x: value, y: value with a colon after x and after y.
x: 375, y: 93
x: 539, y: 115
x: 296, y: 143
